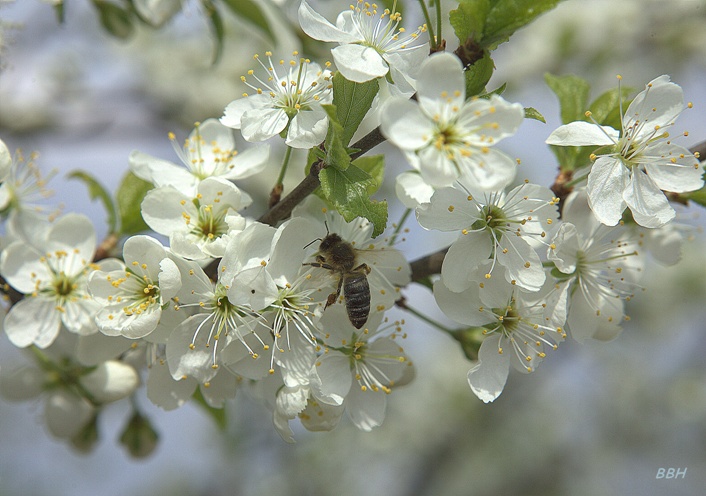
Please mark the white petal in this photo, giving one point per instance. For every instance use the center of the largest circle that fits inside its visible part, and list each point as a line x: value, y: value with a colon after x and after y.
x: 411, y: 189
x: 606, y: 183
x: 221, y: 388
x: 5, y: 161
x: 161, y: 172
x: 405, y: 125
x: 491, y: 120
x: 32, y: 320
x: 164, y: 391
x: 366, y: 408
x: 521, y: 261
x: 647, y: 203
x: 582, y: 133
x: 463, y: 307
x: 463, y: 258
x: 673, y: 167
x: 567, y: 246
x: 441, y: 82
x: 316, y: 26
x: 111, y: 381
x: 490, y: 169
x: 332, y: 378
x: 262, y: 124
x: 187, y: 362
x: 249, y: 162
x: 233, y: 114
x: 359, y: 63
x: 488, y: 377
x: 307, y: 129
x: 658, y: 104
x: 162, y: 210
x: 449, y: 210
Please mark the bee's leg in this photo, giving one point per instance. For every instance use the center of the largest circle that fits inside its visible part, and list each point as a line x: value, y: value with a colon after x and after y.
x: 364, y: 267
x: 334, y: 296
x: 320, y: 265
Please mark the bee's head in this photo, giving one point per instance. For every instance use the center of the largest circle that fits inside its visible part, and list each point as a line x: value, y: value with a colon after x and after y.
x: 330, y: 240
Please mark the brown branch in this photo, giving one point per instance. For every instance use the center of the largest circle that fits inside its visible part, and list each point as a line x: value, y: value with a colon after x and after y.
x: 428, y: 265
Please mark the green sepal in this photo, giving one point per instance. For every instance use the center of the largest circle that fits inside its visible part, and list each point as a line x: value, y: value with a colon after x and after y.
x: 478, y: 74
x: 352, y: 101
x: 97, y: 191
x: 217, y: 28
x: 131, y: 192
x: 533, y: 113
x: 336, y: 154
x: 252, y: 13
x: 218, y: 415
x: 347, y: 191
x: 115, y: 19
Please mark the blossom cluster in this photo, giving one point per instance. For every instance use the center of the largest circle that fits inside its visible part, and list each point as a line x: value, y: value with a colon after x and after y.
x: 296, y: 313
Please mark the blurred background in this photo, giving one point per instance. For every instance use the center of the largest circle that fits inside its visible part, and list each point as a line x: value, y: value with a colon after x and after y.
x: 597, y: 418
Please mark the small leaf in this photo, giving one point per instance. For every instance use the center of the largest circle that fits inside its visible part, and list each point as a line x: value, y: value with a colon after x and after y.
x: 218, y: 415
x: 97, y: 191
x: 251, y: 12
x: 347, y: 191
x: 375, y: 166
x: 217, y: 28
x: 336, y: 153
x: 352, y: 101
x: 116, y: 20
x: 131, y: 192
x: 507, y: 16
x: 478, y: 75
x: 533, y: 113
x: 468, y: 20
x: 572, y: 92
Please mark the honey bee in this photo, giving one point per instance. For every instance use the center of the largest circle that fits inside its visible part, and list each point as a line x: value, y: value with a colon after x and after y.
x: 339, y: 257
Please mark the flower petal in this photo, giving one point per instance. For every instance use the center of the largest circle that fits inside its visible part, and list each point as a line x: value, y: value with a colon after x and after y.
x: 647, y: 202
x: 308, y: 128
x: 359, y: 63
x: 488, y: 377
x: 606, y: 182
x: 440, y: 84
x: 673, y: 167
x: 316, y: 26
x: 581, y: 133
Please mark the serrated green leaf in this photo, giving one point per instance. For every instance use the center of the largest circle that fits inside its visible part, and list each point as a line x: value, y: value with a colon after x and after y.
x: 336, y: 153
x: 218, y: 415
x: 468, y: 20
x: 217, y: 28
x: 251, y: 12
x: 375, y: 166
x: 97, y: 191
x: 347, y: 191
x: 115, y: 19
x: 352, y: 101
x: 507, y: 16
x: 533, y: 113
x: 478, y: 75
x: 572, y: 92
x: 131, y: 192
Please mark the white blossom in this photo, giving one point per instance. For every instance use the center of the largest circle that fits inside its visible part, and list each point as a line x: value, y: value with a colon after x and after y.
x: 444, y: 136
x: 639, y: 161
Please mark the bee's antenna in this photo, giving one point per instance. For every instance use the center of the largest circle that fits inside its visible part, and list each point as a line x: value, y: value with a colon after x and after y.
x: 311, y: 243
x: 327, y: 231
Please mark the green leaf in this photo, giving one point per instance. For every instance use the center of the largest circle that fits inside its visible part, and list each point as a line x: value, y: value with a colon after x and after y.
x: 468, y: 20
x: 347, y: 191
x: 218, y: 415
x: 375, y: 166
x: 605, y: 109
x: 698, y: 196
x: 251, y: 12
x: 507, y: 16
x: 336, y: 153
x: 116, y: 20
x: 533, y: 113
x: 97, y: 191
x: 572, y: 92
x: 131, y: 192
x: 214, y: 17
x: 352, y: 101
x: 478, y: 75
